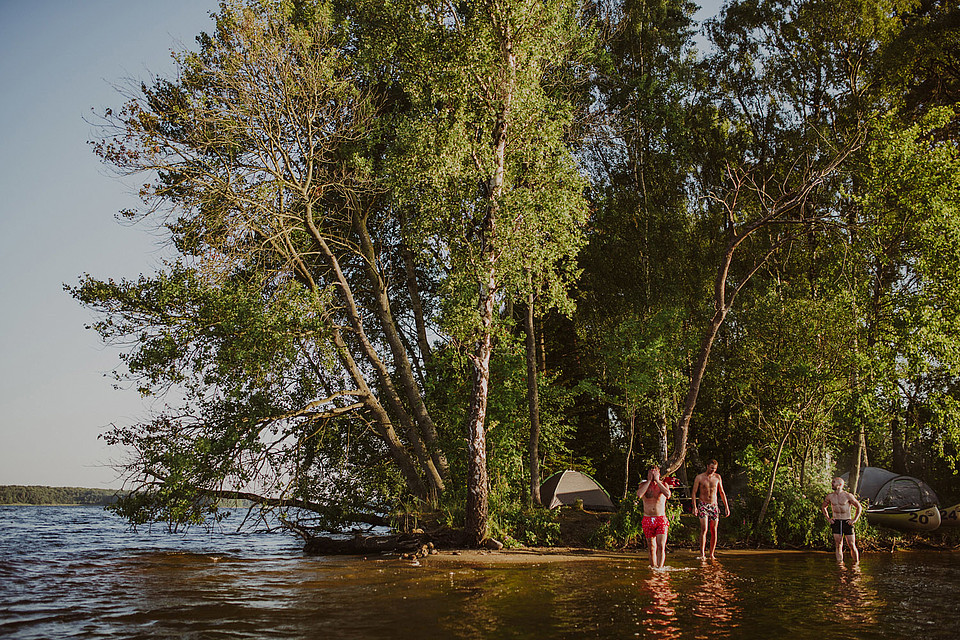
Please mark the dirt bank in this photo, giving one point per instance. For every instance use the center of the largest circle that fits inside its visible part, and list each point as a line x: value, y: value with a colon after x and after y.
x: 570, y: 554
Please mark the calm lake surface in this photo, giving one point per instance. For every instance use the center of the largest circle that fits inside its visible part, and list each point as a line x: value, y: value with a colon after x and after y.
x: 78, y: 572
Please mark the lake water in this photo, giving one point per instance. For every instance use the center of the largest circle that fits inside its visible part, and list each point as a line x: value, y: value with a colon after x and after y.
x: 78, y: 572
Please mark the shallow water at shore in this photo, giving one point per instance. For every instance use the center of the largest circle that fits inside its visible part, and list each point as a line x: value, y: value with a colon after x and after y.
x: 80, y: 573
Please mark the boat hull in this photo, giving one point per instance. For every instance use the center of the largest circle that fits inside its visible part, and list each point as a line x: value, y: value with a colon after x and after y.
x: 950, y: 516
x: 909, y: 519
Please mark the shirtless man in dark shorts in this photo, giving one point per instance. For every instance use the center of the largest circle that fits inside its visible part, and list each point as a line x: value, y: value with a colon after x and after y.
x: 841, y: 504
x: 707, y: 488
x: 654, y: 495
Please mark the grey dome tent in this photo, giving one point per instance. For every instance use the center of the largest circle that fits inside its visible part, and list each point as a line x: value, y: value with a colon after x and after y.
x: 566, y: 487
x: 886, y: 489
x: 900, y: 502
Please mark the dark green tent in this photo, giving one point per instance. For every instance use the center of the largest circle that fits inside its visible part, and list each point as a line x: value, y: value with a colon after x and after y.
x: 886, y: 489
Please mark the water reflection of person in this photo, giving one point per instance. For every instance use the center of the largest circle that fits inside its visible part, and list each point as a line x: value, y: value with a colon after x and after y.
x: 841, y: 504
x: 718, y: 602
x: 654, y: 495
x: 855, y: 601
x: 660, y: 616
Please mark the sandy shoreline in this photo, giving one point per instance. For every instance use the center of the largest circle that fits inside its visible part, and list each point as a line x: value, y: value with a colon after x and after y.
x: 569, y: 554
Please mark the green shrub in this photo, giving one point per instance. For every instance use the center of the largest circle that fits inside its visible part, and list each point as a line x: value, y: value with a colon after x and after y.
x: 792, y: 519
x: 521, y: 525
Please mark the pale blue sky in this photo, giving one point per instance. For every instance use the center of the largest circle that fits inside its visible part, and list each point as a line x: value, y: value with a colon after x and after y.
x: 59, y: 59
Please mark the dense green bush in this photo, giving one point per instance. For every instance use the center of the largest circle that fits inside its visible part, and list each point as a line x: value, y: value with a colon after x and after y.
x: 793, y: 517
x: 535, y: 527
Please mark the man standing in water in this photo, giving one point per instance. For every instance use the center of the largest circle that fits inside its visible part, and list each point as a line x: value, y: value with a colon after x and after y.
x: 707, y: 487
x: 654, y: 495
x: 841, y: 503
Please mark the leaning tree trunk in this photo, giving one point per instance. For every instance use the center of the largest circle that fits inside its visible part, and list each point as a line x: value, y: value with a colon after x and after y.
x: 388, y: 389
x: 408, y: 384
x: 723, y: 301
x: 683, y: 426
x: 773, y: 478
x: 626, y: 471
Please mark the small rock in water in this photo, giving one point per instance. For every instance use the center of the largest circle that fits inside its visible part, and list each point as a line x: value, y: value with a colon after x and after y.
x: 493, y: 545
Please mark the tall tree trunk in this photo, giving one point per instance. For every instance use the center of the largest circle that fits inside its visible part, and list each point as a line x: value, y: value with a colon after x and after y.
x: 899, y: 453
x: 859, y: 456
x: 533, y: 399
x: 475, y: 526
x: 663, y: 427
x: 477, y: 482
x: 803, y: 464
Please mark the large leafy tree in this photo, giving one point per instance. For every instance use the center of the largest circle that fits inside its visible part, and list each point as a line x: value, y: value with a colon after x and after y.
x: 495, y: 197
x: 324, y: 198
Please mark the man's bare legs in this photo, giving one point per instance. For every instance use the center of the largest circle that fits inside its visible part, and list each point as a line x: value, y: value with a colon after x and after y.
x: 703, y: 538
x: 838, y: 547
x: 705, y: 525
x: 658, y: 550
x: 652, y: 545
x: 851, y: 541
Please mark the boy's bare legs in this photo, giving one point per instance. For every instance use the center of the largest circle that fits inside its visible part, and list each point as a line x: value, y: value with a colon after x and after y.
x: 661, y: 549
x: 852, y: 543
x: 652, y: 545
x: 703, y: 538
x: 838, y: 546
x: 713, y: 538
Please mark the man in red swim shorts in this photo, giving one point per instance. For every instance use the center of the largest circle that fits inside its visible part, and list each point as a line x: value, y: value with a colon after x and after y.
x: 654, y: 494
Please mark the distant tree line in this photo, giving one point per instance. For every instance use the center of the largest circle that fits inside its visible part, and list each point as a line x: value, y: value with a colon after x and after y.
x: 19, y: 494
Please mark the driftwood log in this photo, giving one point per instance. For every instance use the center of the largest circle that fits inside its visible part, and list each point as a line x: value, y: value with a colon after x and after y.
x: 417, y: 543
x: 363, y: 544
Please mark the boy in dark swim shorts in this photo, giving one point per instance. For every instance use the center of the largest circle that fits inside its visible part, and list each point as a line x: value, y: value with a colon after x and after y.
x: 654, y: 494
x: 842, y: 528
x: 842, y: 518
